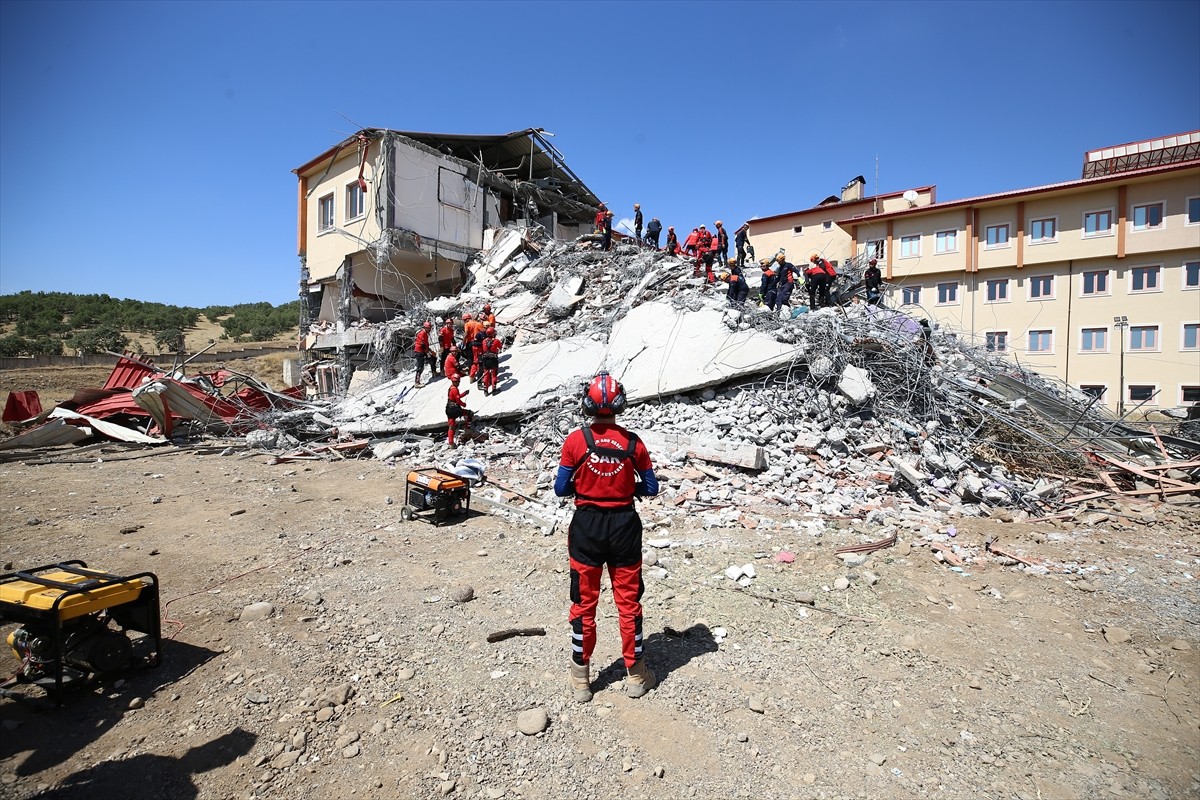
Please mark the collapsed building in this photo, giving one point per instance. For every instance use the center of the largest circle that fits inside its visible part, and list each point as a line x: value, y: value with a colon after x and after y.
x: 388, y: 218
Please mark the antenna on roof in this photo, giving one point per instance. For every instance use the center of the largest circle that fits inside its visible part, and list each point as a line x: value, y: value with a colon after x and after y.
x: 911, y: 197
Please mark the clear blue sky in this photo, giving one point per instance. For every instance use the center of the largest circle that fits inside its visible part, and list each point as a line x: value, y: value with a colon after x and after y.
x: 146, y: 148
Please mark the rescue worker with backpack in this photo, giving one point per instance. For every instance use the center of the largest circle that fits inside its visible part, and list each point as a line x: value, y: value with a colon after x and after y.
x: 815, y: 278
x: 605, y: 467
x: 456, y: 409
x: 489, y: 359
x: 825, y: 273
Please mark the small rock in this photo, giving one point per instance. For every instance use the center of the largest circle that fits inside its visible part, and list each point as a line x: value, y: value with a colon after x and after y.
x: 256, y: 612
x: 742, y: 737
x: 841, y: 584
x: 437, y: 630
x: 975, y: 683
x: 257, y: 698
x: 447, y: 787
x: 137, y: 703
x: 1180, y: 644
x: 324, y: 714
x: 351, y: 751
x: 756, y: 704
x: 346, y: 739
x: 806, y: 598
x: 878, y: 759
x: 1117, y: 636
x: 532, y: 721
x: 407, y: 674
x: 870, y: 577
x: 659, y: 772
x: 853, y: 559
x: 462, y: 594
x: 1084, y: 586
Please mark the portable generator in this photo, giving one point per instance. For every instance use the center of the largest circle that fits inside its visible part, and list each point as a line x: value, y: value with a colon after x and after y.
x: 75, y: 623
x: 435, y: 493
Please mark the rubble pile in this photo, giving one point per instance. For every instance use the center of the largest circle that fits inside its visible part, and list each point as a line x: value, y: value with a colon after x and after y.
x: 816, y: 414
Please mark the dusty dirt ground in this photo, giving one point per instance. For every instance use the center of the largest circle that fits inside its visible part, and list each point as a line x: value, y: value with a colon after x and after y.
x: 369, y: 680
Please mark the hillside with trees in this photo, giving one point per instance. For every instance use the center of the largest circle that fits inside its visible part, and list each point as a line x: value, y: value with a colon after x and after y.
x: 57, y: 323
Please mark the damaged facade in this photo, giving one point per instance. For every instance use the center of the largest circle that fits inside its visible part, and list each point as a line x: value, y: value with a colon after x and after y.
x: 388, y: 218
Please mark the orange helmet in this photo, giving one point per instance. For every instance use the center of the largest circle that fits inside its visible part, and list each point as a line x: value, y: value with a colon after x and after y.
x: 813, y: 257
x: 466, y: 317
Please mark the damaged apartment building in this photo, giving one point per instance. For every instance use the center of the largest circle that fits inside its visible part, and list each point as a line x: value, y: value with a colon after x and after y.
x: 387, y: 219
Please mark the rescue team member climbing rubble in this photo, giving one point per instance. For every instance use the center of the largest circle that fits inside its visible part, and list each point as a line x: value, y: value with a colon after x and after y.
x: 605, y: 466
x: 450, y: 367
x: 456, y: 409
x: 423, y: 353
x: 445, y: 341
x: 490, y: 360
x: 672, y: 242
x: 738, y: 288
x: 787, y: 281
x: 873, y: 281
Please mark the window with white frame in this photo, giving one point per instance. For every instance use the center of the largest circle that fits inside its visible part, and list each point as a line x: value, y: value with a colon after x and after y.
x: 997, y: 235
x: 911, y: 295
x: 1041, y: 287
x: 1193, y: 211
x: 355, y: 205
x: 997, y: 290
x: 947, y: 294
x: 945, y: 242
x: 910, y: 246
x: 1189, y: 395
x: 1145, y: 279
x: 1141, y: 393
x: 1097, y: 223
x: 1143, y: 338
x: 1191, y: 336
x: 1095, y: 283
x: 1147, y: 217
x: 1095, y: 390
x: 1040, y: 341
x: 1093, y: 340
x: 325, y: 213
x: 996, y: 341
x: 1043, y: 230
x: 827, y: 225
x: 1191, y: 275
x: 875, y: 248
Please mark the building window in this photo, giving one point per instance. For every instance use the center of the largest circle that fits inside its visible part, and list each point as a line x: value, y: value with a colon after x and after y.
x: 1143, y: 337
x: 1095, y: 283
x: 1093, y: 340
x: 1094, y: 390
x: 947, y: 294
x: 996, y: 341
x: 997, y: 236
x: 354, y: 201
x: 1191, y: 336
x: 1189, y: 395
x: 1191, y: 275
x: 910, y: 246
x: 1097, y: 223
x: 827, y: 226
x: 911, y: 295
x: 875, y: 248
x: 1041, y: 287
x: 1040, y: 341
x: 1148, y: 217
x: 1144, y: 279
x: 797, y: 230
x: 1141, y: 393
x: 325, y: 213
x: 1043, y: 230
x: 997, y: 290
x: 946, y: 242
x: 1193, y: 211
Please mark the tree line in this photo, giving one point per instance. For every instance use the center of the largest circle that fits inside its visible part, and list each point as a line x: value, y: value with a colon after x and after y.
x: 48, y: 323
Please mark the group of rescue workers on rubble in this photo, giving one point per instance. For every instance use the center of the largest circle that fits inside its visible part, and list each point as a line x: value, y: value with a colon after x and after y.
x: 477, y: 355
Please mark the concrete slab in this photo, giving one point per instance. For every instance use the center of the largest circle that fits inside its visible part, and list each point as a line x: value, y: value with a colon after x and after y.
x: 659, y: 350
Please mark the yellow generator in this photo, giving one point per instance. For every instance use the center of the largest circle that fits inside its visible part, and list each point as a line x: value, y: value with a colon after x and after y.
x: 75, y: 623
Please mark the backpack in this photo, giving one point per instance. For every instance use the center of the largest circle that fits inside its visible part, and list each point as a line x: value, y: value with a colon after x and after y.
x: 611, y: 452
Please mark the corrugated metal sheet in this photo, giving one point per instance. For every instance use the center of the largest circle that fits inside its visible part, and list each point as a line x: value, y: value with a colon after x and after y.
x: 128, y: 374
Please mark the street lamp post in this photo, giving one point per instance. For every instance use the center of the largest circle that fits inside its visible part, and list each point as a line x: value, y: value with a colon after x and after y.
x: 1120, y: 323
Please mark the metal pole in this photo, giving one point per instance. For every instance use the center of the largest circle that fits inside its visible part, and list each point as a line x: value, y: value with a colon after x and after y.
x: 1121, y: 401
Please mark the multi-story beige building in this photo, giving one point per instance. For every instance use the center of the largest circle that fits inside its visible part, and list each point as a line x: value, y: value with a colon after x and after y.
x: 1095, y: 281
x: 819, y: 229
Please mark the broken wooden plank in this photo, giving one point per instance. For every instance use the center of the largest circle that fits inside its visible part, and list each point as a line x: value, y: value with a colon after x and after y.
x: 508, y: 633
x: 869, y: 547
x: 947, y: 553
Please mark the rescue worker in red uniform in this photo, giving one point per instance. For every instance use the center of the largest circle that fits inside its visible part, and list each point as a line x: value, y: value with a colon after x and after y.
x: 470, y: 328
x: 490, y: 357
x: 705, y: 248
x: 476, y: 356
x: 689, y: 244
x: 450, y: 367
x: 445, y: 341
x: 487, y: 319
x: 456, y: 409
x: 601, y: 211
x: 605, y: 467
x: 423, y: 353
x: 817, y: 280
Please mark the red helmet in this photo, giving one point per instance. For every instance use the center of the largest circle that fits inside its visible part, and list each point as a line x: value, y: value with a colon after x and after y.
x: 428, y: 324
x: 604, y: 395
x: 466, y: 317
x: 491, y: 333
x: 487, y: 306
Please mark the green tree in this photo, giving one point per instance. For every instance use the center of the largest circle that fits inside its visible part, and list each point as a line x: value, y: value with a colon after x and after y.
x: 169, y: 339
x: 105, y: 338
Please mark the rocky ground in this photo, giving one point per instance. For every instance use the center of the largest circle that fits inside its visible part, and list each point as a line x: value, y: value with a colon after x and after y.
x: 319, y: 647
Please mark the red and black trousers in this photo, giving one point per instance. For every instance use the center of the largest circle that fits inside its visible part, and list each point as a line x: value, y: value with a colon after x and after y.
x: 600, y: 537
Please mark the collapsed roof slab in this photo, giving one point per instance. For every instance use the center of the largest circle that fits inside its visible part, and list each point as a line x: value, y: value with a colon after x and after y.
x: 659, y: 350
x: 656, y: 350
